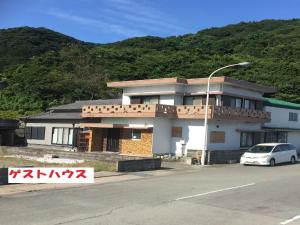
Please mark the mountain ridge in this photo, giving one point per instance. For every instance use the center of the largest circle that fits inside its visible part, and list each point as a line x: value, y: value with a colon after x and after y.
x: 43, y: 68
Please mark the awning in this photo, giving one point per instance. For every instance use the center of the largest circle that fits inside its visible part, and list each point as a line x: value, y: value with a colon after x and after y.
x: 110, y: 125
x: 268, y: 129
x: 281, y: 129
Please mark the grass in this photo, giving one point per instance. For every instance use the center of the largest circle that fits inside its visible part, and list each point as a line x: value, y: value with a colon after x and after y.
x: 13, y: 162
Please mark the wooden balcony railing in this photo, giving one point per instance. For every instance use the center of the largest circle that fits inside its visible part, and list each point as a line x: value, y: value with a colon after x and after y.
x: 171, y: 111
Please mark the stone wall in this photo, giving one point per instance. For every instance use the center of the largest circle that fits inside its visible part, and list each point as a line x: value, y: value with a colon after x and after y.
x: 40, y: 152
x: 140, y: 147
x: 217, y: 156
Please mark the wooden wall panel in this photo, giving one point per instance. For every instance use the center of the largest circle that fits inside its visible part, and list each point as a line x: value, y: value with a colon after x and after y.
x: 217, y: 137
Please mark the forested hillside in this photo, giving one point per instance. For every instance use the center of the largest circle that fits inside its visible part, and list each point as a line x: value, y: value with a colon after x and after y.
x: 41, y: 68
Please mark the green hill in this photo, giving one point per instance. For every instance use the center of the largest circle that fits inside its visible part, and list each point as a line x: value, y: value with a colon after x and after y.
x: 42, y: 68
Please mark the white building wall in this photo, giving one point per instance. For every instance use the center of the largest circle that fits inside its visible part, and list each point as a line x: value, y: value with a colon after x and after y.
x: 48, y: 131
x: 229, y: 89
x: 201, y: 89
x: 143, y: 122
x: 192, y: 136
x: 125, y: 100
x: 167, y: 99
x: 232, y: 133
x: 280, y: 118
x: 294, y: 138
x: 161, y: 141
x: 153, y: 90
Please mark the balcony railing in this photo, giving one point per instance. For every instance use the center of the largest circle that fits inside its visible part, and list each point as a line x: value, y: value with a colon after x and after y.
x: 248, y: 115
x: 171, y: 111
x: 135, y: 110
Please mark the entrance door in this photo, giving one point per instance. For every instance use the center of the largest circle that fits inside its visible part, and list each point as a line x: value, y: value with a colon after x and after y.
x: 113, y: 136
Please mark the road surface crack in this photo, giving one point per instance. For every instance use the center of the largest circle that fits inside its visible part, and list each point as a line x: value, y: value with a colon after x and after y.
x: 90, y: 217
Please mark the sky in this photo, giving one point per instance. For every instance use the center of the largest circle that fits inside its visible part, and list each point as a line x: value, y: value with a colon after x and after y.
x: 105, y: 21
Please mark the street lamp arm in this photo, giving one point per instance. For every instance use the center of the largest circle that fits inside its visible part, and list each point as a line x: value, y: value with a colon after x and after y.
x: 206, y: 106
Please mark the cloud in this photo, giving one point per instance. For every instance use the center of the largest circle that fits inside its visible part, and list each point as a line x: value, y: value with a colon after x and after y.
x: 140, y: 13
x: 97, y: 23
x: 128, y: 18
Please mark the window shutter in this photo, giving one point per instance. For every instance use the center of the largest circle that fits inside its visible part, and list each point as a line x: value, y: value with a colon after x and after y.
x: 177, y: 132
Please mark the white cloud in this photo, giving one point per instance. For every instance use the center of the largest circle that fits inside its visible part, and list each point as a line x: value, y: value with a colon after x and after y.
x: 97, y: 23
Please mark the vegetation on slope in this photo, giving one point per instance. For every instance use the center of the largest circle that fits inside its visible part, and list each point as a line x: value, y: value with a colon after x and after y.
x: 45, y: 68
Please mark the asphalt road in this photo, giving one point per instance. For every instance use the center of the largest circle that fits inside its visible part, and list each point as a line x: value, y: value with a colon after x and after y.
x: 221, y: 195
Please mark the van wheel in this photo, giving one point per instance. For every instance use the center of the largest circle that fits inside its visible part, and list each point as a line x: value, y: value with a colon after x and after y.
x: 293, y: 160
x: 272, y: 162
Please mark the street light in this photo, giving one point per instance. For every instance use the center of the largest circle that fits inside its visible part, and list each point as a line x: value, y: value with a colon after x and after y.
x: 206, y: 106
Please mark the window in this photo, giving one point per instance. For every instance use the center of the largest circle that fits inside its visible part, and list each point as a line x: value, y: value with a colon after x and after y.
x: 276, y: 136
x: 62, y: 136
x: 177, y: 132
x: 293, y: 116
x: 247, y: 139
x: 192, y: 100
x: 252, y: 104
x: 150, y: 100
x: 136, y: 134
x: 246, y: 104
x: 37, y: 133
x: 235, y: 102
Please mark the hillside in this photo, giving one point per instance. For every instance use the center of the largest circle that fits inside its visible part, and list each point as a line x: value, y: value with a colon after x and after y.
x: 42, y: 68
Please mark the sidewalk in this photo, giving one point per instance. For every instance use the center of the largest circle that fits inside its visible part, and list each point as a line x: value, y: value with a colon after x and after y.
x: 100, y: 177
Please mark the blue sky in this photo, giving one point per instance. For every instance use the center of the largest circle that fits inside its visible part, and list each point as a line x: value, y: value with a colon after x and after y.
x: 104, y: 21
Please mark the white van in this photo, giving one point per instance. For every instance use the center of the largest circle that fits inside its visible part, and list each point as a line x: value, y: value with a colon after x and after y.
x: 270, y: 154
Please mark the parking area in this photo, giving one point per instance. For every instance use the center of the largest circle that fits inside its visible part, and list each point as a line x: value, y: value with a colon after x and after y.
x: 221, y: 194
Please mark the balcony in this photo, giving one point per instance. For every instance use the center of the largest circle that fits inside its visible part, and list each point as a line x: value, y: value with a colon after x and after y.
x: 129, y: 111
x: 171, y: 111
x: 246, y: 115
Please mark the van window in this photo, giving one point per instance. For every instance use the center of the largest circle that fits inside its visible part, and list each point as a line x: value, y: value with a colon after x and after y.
x: 277, y: 149
x: 284, y: 147
x: 291, y: 147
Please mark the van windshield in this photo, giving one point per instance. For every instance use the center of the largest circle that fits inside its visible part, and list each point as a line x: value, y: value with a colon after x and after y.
x: 260, y: 149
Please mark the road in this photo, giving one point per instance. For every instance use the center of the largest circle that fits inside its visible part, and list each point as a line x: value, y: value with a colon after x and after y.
x: 217, y: 195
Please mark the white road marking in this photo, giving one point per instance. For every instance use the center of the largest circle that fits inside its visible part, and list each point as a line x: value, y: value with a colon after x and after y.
x: 212, y: 192
x: 290, y: 220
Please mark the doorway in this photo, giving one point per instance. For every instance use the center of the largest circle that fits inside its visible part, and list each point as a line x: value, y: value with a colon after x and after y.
x: 113, y: 136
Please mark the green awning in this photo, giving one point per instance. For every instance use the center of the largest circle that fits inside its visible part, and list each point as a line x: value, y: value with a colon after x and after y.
x: 280, y: 103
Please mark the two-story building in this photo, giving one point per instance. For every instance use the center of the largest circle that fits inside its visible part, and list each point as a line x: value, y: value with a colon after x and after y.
x: 166, y: 116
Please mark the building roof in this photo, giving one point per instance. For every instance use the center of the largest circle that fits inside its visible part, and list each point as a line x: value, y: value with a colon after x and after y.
x: 70, y: 111
x: 78, y: 104
x: 280, y: 103
x: 148, y: 82
x: 195, y: 81
x: 55, y: 116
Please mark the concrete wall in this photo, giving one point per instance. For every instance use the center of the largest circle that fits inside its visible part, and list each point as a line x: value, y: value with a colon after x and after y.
x: 232, y: 135
x: 48, y: 132
x: 135, y: 122
x: 201, y: 89
x: 280, y: 118
x: 153, y: 90
x: 294, y: 138
x: 192, y: 136
x: 161, y: 136
x: 240, y: 91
